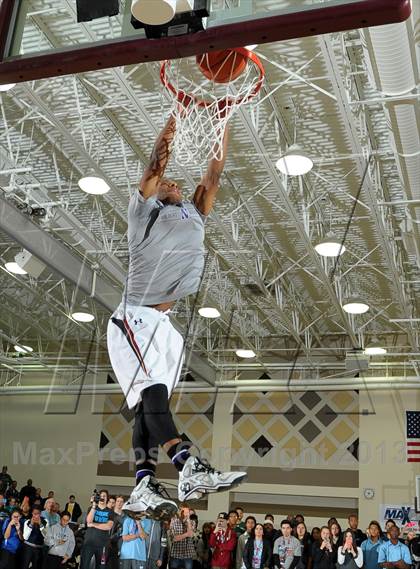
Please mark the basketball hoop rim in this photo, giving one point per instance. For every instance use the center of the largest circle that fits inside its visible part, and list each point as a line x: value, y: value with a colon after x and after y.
x: 182, y: 96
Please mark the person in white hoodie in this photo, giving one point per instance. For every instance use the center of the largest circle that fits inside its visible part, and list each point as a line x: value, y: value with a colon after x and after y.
x: 61, y: 543
x: 34, y: 532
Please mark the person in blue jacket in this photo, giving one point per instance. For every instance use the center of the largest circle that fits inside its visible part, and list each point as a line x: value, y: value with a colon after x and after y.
x: 12, y: 540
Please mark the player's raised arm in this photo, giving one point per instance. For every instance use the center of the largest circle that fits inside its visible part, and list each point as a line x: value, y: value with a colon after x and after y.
x: 149, y: 183
x: 206, y: 191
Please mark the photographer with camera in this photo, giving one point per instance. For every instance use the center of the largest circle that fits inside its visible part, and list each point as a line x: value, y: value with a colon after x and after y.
x: 223, y: 539
x: 99, y: 522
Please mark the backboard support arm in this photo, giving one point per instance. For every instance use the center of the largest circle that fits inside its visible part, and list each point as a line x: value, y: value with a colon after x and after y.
x: 276, y: 27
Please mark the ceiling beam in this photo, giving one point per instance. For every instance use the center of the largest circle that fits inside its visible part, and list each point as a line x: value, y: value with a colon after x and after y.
x: 380, y: 383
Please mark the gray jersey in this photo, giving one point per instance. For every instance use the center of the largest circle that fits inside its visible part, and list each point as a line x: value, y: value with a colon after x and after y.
x: 287, y: 548
x: 166, y: 251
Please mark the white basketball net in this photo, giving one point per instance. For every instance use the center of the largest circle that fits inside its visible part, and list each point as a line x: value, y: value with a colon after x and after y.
x: 202, y: 107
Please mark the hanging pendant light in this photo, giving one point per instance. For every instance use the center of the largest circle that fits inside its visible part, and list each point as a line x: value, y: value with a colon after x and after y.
x: 93, y: 185
x: 82, y: 313
x: 80, y: 316
x: 330, y: 246
x: 21, y: 349
x: 247, y: 354
x: 355, y: 305
x: 14, y: 268
x: 295, y: 161
x: 375, y: 348
x: 209, y: 312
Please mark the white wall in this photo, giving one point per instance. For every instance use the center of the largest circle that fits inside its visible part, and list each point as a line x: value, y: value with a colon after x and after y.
x: 55, y: 444
x: 383, y: 464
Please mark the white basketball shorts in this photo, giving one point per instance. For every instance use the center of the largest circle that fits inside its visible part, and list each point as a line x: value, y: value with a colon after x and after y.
x: 144, y: 349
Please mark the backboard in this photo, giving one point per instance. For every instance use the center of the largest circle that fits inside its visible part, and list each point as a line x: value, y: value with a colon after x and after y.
x: 40, y: 39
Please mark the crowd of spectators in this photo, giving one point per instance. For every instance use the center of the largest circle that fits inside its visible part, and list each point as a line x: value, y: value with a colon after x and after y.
x: 35, y: 532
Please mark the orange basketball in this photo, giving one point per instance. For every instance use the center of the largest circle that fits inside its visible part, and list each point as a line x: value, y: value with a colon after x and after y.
x: 222, y: 66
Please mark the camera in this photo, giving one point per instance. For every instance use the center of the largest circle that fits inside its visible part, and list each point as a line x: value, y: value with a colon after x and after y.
x: 34, y: 211
x: 96, y: 496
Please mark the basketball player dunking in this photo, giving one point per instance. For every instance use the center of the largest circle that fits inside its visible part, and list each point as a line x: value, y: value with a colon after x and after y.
x: 165, y: 239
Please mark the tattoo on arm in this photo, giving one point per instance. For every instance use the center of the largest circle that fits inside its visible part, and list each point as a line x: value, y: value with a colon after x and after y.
x: 158, y: 159
x: 161, y: 152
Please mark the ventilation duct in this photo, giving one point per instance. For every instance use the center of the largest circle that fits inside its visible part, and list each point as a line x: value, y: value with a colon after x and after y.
x: 391, y: 70
x: 392, y: 64
x: 408, y: 145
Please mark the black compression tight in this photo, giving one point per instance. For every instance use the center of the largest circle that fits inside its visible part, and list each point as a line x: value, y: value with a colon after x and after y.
x: 153, y: 425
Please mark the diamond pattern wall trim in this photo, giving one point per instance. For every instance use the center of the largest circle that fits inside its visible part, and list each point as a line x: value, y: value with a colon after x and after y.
x: 271, y: 429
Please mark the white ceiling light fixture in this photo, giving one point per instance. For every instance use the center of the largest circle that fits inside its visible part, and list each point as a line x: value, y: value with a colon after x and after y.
x: 248, y: 354
x: 23, y: 349
x: 7, y: 87
x: 208, y: 312
x: 93, y: 185
x: 82, y: 316
x: 355, y: 305
x: 375, y: 348
x: 295, y: 162
x: 330, y: 246
x: 14, y: 268
x: 375, y: 351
